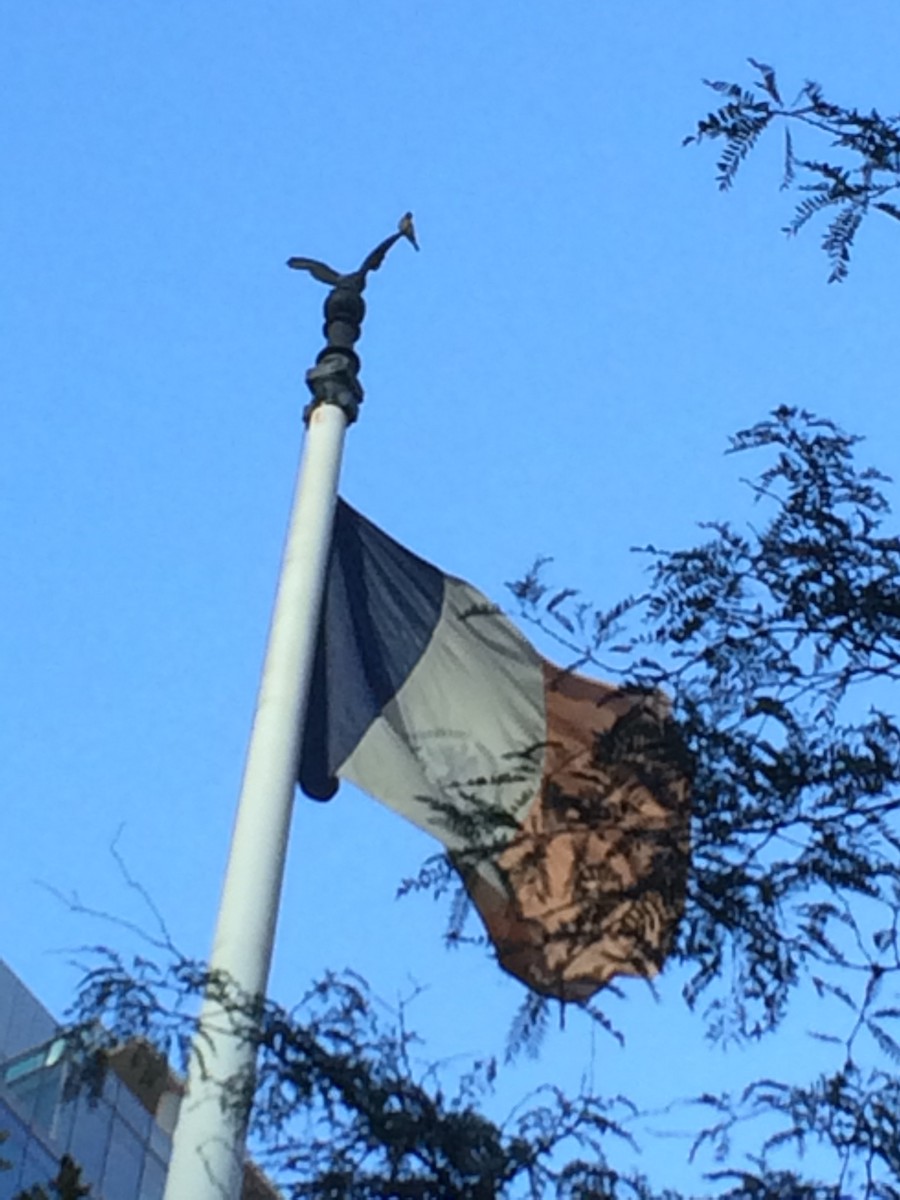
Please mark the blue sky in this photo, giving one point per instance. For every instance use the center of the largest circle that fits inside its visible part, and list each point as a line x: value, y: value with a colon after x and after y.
x: 556, y: 373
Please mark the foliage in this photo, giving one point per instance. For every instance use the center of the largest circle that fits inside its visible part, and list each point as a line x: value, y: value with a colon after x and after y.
x: 861, y: 174
x: 779, y: 645
x: 66, y: 1185
x: 343, y: 1108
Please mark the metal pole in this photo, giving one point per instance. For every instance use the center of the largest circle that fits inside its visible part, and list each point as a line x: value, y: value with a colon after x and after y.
x: 208, y: 1144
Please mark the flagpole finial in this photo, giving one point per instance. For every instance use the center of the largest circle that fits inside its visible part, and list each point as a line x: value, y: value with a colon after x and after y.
x: 335, y: 377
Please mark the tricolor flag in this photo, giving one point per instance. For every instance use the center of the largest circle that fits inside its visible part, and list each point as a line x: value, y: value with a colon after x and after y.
x: 562, y: 801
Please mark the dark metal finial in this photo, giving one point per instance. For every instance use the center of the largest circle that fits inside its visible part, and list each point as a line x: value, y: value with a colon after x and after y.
x: 333, y: 380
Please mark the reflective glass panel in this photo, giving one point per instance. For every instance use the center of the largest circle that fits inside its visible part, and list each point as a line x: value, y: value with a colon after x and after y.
x: 123, y: 1163
x: 153, y: 1180
x: 39, y: 1166
x: 90, y: 1138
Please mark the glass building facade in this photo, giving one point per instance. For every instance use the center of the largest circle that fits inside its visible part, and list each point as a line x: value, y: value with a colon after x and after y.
x: 120, y: 1147
x: 121, y: 1138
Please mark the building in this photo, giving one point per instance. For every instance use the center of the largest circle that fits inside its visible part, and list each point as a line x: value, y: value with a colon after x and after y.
x: 121, y: 1138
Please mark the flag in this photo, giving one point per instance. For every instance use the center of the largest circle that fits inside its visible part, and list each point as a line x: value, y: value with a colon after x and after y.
x: 562, y: 801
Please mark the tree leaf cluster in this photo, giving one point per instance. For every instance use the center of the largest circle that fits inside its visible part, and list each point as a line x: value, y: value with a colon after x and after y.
x: 66, y: 1184
x: 345, y: 1107
x: 779, y: 643
x: 859, y: 175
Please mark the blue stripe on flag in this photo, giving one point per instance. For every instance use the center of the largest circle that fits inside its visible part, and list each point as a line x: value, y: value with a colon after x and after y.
x: 380, y: 609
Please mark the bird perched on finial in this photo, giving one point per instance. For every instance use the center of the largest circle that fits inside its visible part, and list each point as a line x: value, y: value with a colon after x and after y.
x: 407, y: 228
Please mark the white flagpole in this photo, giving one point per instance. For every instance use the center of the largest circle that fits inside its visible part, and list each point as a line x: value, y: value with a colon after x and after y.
x: 208, y: 1145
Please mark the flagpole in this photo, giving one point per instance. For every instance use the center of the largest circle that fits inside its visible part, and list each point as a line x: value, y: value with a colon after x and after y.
x: 208, y: 1144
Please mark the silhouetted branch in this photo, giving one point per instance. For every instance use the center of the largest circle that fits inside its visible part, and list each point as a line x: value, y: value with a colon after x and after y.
x: 861, y: 175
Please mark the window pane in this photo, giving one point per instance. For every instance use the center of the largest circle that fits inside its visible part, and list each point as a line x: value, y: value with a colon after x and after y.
x: 22, y: 1094
x: 59, y: 1134
x: 134, y: 1113
x: 160, y: 1141
x: 35, y: 1094
x: 13, y: 1150
x: 9, y: 1183
x: 123, y: 1163
x: 38, y: 1167
x: 47, y: 1096
x: 90, y: 1138
x: 25, y: 1066
x: 154, y: 1179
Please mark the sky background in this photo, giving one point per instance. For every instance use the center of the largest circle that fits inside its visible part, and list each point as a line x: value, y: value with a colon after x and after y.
x: 556, y: 373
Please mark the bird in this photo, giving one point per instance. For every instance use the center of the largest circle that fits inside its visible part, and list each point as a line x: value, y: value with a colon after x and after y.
x: 407, y: 228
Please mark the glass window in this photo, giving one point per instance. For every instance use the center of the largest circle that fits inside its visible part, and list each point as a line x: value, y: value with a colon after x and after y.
x: 160, y: 1142
x: 90, y: 1138
x: 9, y: 1184
x: 153, y: 1180
x: 59, y: 1133
x: 111, y: 1086
x: 47, y: 1096
x: 13, y: 1150
x: 123, y: 1163
x: 55, y: 1051
x: 44, y: 1056
x: 22, y: 1093
x: 131, y: 1109
x: 23, y: 1066
x: 34, y: 1083
x: 39, y: 1166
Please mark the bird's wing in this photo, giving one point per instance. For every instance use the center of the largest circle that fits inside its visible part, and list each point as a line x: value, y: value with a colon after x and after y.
x: 318, y: 270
